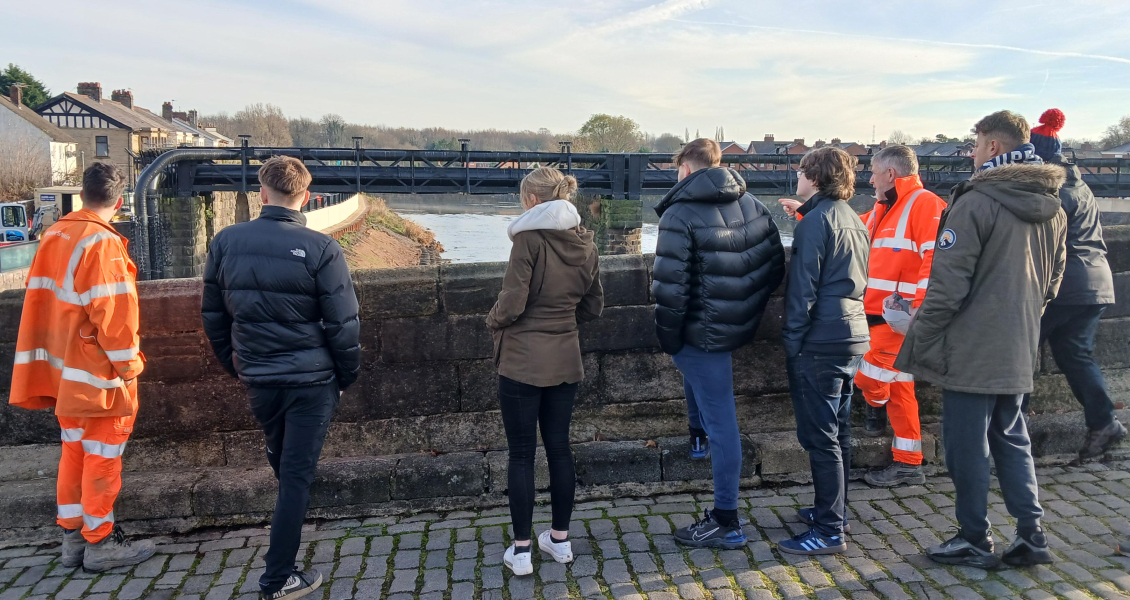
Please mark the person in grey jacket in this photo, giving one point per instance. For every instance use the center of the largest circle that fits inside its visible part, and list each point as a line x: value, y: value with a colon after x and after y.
x: 825, y: 337
x: 1070, y: 321
x: 998, y: 261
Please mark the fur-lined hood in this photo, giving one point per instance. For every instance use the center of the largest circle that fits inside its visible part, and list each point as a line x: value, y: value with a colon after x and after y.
x: 1029, y: 191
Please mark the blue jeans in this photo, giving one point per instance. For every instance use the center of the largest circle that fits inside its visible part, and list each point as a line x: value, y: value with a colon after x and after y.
x: 975, y: 427
x: 1070, y: 330
x: 821, y: 389
x: 708, y: 381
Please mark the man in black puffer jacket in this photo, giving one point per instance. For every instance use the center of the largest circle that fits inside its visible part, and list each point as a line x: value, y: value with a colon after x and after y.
x: 717, y: 260
x: 281, y: 314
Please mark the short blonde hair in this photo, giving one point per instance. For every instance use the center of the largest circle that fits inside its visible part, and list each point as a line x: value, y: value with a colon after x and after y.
x: 832, y: 170
x: 285, y: 175
x: 547, y: 184
x: 1005, y: 126
x: 701, y: 153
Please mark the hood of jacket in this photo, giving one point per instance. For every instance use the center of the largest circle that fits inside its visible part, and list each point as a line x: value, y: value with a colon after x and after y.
x: 574, y: 246
x: 716, y: 185
x: 1029, y: 191
x: 557, y: 215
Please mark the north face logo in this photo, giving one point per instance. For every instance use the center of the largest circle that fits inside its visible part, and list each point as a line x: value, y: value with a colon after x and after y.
x: 299, y: 252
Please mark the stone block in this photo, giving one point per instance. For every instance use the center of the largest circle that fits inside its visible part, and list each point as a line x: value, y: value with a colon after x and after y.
x: 478, y: 385
x: 1121, y: 295
x: 27, y: 503
x: 1117, y: 240
x: 346, y: 482
x: 428, y: 476
x: 235, y: 491
x: 758, y: 414
x: 156, y: 453
x: 156, y: 495
x: 186, y: 408
x: 780, y: 453
x: 759, y: 368
x: 20, y: 463
x: 435, y: 338
x: 21, y: 426
x: 620, y: 328
x: 772, y: 320
x: 11, y: 310
x: 498, y: 467
x: 638, y: 377
x: 170, y: 306
x: 678, y: 466
x: 1063, y: 433
x: 600, y: 463
x: 177, y: 357
x: 401, y: 390
x: 403, y: 292
x: 471, y: 288
x: 630, y: 420
x: 625, y: 280
x: 1112, y: 343
x: 876, y: 452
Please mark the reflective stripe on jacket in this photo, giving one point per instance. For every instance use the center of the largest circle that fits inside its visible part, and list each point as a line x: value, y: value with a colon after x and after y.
x: 902, y: 244
x: 78, y: 339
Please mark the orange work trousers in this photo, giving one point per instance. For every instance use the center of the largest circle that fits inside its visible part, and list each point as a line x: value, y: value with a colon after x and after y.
x: 90, y: 473
x: 882, y: 386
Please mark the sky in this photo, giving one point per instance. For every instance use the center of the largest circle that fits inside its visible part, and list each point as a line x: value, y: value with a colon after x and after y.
x: 799, y: 69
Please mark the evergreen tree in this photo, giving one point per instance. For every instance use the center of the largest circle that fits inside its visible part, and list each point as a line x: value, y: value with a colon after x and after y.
x: 34, y: 94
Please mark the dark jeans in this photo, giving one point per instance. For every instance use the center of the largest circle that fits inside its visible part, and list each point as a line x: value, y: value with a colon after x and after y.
x: 974, y: 427
x: 523, y: 408
x: 708, y: 382
x: 295, y: 421
x: 1070, y: 330
x: 821, y: 388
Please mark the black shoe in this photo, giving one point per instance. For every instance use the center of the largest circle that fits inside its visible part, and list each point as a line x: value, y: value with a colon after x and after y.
x: 1100, y: 441
x: 709, y: 533
x: 958, y: 551
x: 299, y: 584
x: 874, y: 421
x: 896, y: 474
x: 808, y: 517
x: 700, y: 447
x: 1029, y: 551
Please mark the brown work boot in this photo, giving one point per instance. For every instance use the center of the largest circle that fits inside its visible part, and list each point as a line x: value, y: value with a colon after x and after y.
x: 74, y: 547
x: 116, y: 551
x: 1100, y: 441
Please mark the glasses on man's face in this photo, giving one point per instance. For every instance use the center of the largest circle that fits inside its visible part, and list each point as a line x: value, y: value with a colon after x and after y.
x: 800, y: 172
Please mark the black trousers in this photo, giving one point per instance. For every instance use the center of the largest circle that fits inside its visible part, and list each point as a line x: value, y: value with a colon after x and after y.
x: 295, y: 421
x: 1070, y: 331
x: 523, y: 408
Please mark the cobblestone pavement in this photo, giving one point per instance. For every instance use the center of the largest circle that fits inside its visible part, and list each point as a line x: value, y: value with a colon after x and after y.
x: 624, y: 550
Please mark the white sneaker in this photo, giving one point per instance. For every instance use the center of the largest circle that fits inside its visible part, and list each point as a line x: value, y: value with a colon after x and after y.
x: 562, y: 553
x: 520, y: 564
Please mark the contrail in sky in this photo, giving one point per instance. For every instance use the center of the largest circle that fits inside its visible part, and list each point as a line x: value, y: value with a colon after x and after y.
x: 1116, y: 59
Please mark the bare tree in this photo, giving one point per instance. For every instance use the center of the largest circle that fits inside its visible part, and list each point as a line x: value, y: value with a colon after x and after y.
x: 306, y: 133
x: 1117, y: 134
x: 265, y: 123
x: 24, y: 166
x: 899, y: 136
x: 333, y: 129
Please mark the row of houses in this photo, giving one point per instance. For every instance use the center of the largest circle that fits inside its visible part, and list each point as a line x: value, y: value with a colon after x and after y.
x: 78, y: 128
x: 797, y: 146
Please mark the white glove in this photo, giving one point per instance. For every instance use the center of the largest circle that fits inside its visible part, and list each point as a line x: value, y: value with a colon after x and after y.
x: 898, y: 313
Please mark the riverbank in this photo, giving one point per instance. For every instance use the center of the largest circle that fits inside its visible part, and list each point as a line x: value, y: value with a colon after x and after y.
x: 388, y: 240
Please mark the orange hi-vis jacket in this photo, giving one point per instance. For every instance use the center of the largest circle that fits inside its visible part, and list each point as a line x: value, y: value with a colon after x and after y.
x: 77, y: 349
x: 902, y: 244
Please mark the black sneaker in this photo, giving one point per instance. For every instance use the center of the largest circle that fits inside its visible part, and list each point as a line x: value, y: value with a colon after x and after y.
x: 1026, y: 552
x: 708, y: 533
x: 299, y: 584
x: 874, y: 421
x: 808, y: 517
x: 896, y: 474
x: 1099, y: 441
x: 958, y: 551
x: 700, y: 447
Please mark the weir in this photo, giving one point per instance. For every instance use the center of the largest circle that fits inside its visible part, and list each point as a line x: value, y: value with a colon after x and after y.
x: 421, y: 429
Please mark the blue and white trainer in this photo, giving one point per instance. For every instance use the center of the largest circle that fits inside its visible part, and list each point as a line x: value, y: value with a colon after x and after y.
x: 709, y: 533
x: 700, y: 447
x: 808, y: 517
x: 812, y: 542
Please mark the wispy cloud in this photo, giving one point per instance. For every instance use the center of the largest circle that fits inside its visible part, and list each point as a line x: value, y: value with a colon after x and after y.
x: 657, y: 13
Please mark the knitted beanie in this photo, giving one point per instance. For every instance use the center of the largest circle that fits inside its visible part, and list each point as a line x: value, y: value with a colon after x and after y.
x: 1045, y: 137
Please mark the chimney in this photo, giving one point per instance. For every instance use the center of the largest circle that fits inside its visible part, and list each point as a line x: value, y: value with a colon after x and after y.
x: 1085, y: 147
x: 192, y: 117
x: 819, y: 144
x: 835, y: 141
x: 123, y: 97
x: 91, y: 89
x: 167, y: 111
x: 769, y: 137
x: 16, y: 94
x: 799, y: 141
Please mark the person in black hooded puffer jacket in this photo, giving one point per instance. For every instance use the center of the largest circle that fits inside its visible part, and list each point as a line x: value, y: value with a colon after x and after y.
x: 717, y: 260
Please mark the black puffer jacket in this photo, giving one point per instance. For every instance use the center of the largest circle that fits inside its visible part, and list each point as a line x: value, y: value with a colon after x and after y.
x: 279, y: 306
x: 827, y: 278
x: 1087, y: 278
x: 718, y: 259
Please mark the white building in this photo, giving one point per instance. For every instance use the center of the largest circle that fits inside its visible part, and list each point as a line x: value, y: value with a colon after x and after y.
x: 206, y: 136
x: 22, y: 130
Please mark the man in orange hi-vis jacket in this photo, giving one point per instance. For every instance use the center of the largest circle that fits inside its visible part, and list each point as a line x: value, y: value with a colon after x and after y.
x: 77, y: 352
x: 904, y: 227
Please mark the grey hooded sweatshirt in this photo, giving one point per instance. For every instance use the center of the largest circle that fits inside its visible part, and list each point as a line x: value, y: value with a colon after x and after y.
x: 998, y: 261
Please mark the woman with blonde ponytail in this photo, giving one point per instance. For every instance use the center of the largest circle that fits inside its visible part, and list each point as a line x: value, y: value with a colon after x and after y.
x: 552, y: 283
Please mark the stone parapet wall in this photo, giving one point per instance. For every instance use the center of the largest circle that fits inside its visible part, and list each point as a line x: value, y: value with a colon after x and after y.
x: 427, y: 398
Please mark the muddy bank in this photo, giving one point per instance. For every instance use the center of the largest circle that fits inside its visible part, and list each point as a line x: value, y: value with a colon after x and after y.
x: 388, y: 240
